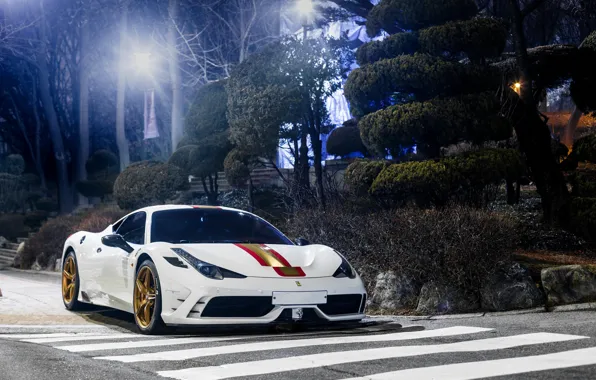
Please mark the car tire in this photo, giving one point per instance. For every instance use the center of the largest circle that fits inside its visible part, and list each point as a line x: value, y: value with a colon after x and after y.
x: 148, y: 322
x: 71, y: 282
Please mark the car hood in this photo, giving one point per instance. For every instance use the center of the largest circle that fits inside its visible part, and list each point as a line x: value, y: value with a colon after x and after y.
x: 268, y: 260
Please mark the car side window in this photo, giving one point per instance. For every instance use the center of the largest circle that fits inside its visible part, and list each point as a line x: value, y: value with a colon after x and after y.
x: 133, y: 228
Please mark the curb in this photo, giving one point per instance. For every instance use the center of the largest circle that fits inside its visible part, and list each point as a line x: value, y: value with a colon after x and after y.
x: 34, y: 272
x: 574, y: 307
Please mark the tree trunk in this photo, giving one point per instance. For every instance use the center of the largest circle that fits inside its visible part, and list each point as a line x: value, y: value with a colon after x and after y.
x: 533, y: 134
x: 317, y: 151
x: 304, y: 166
x: 571, y: 127
x: 177, y: 122
x: 83, y: 149
x: 120, y: 97
x: 251, y: 198
x: 38, y: 164
x: 64, y: 189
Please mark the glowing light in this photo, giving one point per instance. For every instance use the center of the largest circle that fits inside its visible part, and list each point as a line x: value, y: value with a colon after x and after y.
x: 517, y: 86
x: 305, y: 7
x: 143, y: 62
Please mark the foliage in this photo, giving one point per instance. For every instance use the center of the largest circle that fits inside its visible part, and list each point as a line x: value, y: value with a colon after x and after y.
x: 361, y: 174
x: 459, y: 245
x: 15, y: 164
x: 584, y: 80
x: 46, y: 204
x: 101, y: 160
x: 345, y: 140
x: 12, y: 192
x: 478, y: 38
x: 34, y: 219
x: 464, y: 177
x: 148, y: 183
x: 102, y: 169
x: 433, y: 124
x: 12, y: 226
x: 99, y: 219
x: 417, y: 14
x: 371, y: 87
x: 95, y: 188
x: 392, y: 46
x: 584, y: 149
x: 236, y: 167
x: 583, y: 217
x: 584, y: 183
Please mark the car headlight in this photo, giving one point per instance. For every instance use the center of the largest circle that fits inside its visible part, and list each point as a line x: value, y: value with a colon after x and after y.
x: 345, y: 269
x: 208, y: 270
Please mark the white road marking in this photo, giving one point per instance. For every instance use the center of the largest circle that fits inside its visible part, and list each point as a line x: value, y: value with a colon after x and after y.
x: 147, y: 343
x: 333, y: 358
x: 493, y: 368
x: 49, y: 335
x: 289, y: 343
x: 82, y: 338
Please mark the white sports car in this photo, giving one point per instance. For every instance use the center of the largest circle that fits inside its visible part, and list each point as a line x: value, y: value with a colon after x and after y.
x: 200, y: 265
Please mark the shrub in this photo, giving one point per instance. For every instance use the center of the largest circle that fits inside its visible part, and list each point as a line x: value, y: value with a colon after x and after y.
x: 15, y: 164
x: 456, y: 244
x: 101, y: 160
x: 345, y: 140
x: 46, y: 204
x: 417, y: 14
x: 98, y: 219
x: 12, y: 192
x: 584, y: 80
x: 478, y: 38
x: 47, y: 243
x: 361, y: 174
x: 12, y: 226
x: 583, y: 217
x: 148, y: 183
x: 95, y: 188
x: 584, y: 182
x: 584, y: 149
x: 371, y: 87
x: 236, y: 168
x: 35, y: 219
x: 392, y: 46
x: 433, y: 124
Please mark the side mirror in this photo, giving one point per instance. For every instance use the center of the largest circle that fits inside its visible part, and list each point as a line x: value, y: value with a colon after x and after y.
x: 116, y: 241
x: 302, y: 241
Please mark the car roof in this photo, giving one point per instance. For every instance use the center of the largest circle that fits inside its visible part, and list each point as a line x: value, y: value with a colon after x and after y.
x: 151, y: 209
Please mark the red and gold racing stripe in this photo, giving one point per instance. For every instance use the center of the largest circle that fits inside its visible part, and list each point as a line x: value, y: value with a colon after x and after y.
x: 268, y: 257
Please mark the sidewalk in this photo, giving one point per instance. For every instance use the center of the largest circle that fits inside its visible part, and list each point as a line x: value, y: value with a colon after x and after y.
x: 30, y: 298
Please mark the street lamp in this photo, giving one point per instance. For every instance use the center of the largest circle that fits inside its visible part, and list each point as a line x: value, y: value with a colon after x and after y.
x: 143, y: 63
x: 306, y: 10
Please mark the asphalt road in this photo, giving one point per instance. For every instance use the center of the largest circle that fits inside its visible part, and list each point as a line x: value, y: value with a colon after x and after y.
x: 39, y: 340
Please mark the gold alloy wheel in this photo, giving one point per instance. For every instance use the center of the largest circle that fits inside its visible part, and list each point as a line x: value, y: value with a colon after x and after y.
x: 69, y: 277
x: 144, y: 297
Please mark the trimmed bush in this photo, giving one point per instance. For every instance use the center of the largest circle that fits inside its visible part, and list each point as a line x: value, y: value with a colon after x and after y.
x: 458, y: 245
x: 98, y: 219
x: 433, y: 124
x: 584, y: 149
x: 478, y: 38
x: 148, y: 183
x: 584, y: 181
x: 371, y: 87
x: 584, y: 79
x: 12, y: 226
x: 345, y: 140
x: 12, y: 192
x: 417, y: 14
x: 391, y: 47
x: 46, y: 204
x: 35, y: 219
x: 361, y: 174
x: 15, y: 164
x: 101, y: 160
x: 236, y: 168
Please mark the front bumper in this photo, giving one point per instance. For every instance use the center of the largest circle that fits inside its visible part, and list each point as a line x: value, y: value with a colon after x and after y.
x: 248, y: 301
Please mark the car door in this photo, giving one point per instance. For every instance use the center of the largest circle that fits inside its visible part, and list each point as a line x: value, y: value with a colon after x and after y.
x: 113, y: 277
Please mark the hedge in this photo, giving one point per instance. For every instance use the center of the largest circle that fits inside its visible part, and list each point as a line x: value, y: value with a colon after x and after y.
x: 12, y: 226
x: 417, y: 14
x: 101, y: 160
x: 478, y: 38
x: 583, y: 217
x: 584, y: 149
x: 345, y: 140
x: 236, y: 168
x: 436, y: 123
x: 95, y: 188
x: 148, y: 183
x: 370, y: 87
x: 462, y: 177
x: 391, y: 47
x: 15, y: 164
x: 584, y: 79
x: 361, y: 174
x: 584, y: 182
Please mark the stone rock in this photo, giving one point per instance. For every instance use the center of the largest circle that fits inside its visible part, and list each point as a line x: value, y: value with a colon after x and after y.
x: 36, y: 266
x: 394, y: 292
x: 438, y: 298
x: 3, y: 242
x: 510, y: 288
x: 569, y: 284
x: 58, y: 265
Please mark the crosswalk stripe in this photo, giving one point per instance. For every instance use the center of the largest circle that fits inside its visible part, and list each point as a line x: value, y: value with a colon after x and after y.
x: 147, y: 343
x: 82, y: 338
x: 333, y: 358
x: 493, y: 368
x: 49, y: 335
x: 179, y: 355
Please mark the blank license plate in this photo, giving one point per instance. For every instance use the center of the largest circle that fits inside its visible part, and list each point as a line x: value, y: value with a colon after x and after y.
x: 299, y: 298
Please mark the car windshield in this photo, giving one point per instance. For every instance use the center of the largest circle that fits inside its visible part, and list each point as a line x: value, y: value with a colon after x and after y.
x: 212, y: 226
